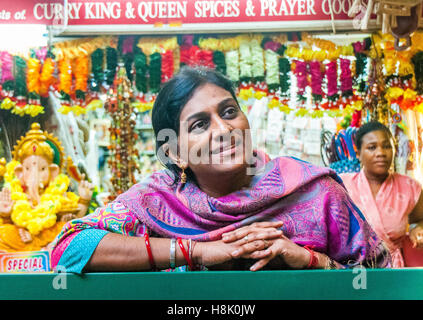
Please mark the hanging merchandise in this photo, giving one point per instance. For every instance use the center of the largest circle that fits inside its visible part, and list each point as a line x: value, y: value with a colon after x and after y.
x: 122, y: 160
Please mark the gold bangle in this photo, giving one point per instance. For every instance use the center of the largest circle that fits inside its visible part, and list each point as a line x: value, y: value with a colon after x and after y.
x: 84, y: 201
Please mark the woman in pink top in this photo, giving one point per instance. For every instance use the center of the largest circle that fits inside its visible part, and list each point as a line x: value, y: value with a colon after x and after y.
x: 389, y: 201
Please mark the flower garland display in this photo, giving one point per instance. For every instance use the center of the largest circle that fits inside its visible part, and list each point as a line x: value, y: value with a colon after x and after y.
x: 316, y: 81
x: 219, y: 61
x: 167, y: 65
x: 332, y: 81
x: 155, y: 68
x: 232, y: 65
x: 418, y: 71
x: 284, y: 76
x: 8, y: 81
x: 54, y: 199
x: 257, y: 60
x: 140, y: 66
x: 302, y: 80
x: 272, y: 69
x: 111, y: 65
x: 34, y: 106
x: 81, y: 84
x: 47, y: 78
x: 65, y: 85
x: 97, y: 74
x: 245, y: 62
x: 346, y: 78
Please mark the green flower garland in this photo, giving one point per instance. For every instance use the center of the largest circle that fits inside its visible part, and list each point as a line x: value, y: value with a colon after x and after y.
x: 418, y: 71
x: 219, y: 61
x: 20, y: 76
x: 97, y: 70
x: 155, y: 72
x: 284, y: 69
x: 111, y: 64
x: 140, y: 65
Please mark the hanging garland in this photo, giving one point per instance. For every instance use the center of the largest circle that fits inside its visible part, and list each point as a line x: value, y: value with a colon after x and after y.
x: 81, y: 84
x: 126, y: 47
x: 155, y: 72
x: 47, y: 78
x: 33, y: 84
x: 418, y: 71
x: 257, y: 61
x: 232, y: 65
x: 346, y: 78
x: 8, y: 81
x: 97, y: 74
x: 302, y: 82
x: 167, y: 65
x: 219, y: 61
x: 272, y: 69
x: 284, y: 76
x: 140, y: 65
x: 245, y: 62
x: 65, y: 85
x: 20, y: 92
x: 332, y: 81
x: 111, y: 65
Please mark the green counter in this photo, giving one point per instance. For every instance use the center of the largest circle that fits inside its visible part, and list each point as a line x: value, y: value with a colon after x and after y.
x: 217, y: 285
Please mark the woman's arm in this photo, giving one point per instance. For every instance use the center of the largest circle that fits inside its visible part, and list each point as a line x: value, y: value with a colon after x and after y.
x: 117, y: 252
x: 416, y: 217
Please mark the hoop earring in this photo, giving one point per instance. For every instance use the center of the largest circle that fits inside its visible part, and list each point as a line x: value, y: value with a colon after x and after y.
x: 183, y: 176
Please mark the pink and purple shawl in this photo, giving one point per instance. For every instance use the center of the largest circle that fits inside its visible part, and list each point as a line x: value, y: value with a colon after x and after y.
x: 311, y: 201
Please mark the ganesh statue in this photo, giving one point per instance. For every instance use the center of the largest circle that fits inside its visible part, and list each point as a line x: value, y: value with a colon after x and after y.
x: 35, y: 201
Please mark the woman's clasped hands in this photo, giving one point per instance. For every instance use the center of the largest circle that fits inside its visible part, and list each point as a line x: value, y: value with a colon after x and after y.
x: 260, y: 241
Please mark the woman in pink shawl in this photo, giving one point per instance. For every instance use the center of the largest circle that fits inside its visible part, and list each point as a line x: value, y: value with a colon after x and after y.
x: 219, y: 204
x: 388, y: 200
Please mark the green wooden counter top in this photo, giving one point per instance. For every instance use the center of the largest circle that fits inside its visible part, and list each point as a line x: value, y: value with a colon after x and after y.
x: 217, y: 285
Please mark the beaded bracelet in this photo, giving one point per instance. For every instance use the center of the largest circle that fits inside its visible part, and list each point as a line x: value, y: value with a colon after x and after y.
x: 185, y: 253
x: 150, y: 254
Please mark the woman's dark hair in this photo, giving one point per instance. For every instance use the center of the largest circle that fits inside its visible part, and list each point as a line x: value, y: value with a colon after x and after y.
x: 172, y: 98
x: 367, y: 128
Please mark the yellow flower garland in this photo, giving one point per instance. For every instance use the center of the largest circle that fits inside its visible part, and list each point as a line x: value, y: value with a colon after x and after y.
x: 53, y: 200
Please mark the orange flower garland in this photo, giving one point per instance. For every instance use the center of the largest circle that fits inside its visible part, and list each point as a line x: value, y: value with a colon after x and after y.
x: 81, y: 76
x: 47, y: 78
x: 65, y: 84
x: 33, y: 107
x: 33, y: 76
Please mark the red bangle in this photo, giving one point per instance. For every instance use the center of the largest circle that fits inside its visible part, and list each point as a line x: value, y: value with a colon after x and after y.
x: 313, y: 258
x: 150, y: 254
x: 185, y: 253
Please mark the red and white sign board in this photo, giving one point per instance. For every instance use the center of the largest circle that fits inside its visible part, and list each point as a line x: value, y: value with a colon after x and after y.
x: 179, y: 15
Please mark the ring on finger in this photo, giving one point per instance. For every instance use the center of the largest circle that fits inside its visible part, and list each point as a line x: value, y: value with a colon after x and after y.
x: 246, y: 238
x: 266, y: 244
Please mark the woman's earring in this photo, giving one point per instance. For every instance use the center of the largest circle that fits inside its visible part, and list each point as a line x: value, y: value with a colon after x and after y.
x: 183, y: 176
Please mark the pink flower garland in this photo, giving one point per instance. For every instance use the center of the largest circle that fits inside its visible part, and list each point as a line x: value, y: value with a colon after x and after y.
x: 346, y: 79
x: 301, y: 74
x: 128, y: 45
x: 6, y: 66
x: 167, y: 65
x: 316, y: 80
x: 332, y: 80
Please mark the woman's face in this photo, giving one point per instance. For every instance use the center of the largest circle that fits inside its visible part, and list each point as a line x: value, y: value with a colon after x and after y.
x: 214, y: 135
x: 376, y: 152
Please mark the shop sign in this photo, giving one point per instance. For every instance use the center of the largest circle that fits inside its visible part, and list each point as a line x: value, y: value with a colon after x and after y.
x: 170, y: 12
x: 34, y: 261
